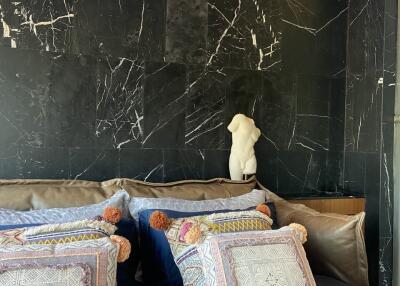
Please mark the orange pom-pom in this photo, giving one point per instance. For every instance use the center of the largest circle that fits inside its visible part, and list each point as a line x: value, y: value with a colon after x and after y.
x: 264, y: 209
x: 112, y: 215
x: 159, y: 220
x: 301, y: 230
x: 193, y: 235
x: 124, y: 247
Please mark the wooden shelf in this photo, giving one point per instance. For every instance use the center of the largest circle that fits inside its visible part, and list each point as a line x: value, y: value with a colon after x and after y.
x: 348, y: 206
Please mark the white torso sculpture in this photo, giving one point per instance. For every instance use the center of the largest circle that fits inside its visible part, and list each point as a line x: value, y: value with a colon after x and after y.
x: 245, y: 134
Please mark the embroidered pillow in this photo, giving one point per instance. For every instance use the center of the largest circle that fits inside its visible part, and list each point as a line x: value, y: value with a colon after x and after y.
x: 68, y: 232
x: 119, y: 200
x: 100, y: 255
x: 78, y: 231
x: 57, y: 233
x: 34, y: 275
x: 245, y: 201
x: 180, y: 229
x: 275, y: 257
x: 183, y: 247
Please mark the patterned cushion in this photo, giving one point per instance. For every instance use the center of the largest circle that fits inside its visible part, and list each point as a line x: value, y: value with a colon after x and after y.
x: 59, y: 215
x: 251, y: 199
x: 68, y: 232
x: 186, y: 254
x: 275, y: 258
x: 11, y: 237
x: 34, y: 275
x: 99, y: 255
x: 57, y: 233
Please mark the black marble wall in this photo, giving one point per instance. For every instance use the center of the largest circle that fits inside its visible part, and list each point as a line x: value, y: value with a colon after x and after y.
x: 146, y: 88
x: 370, y: 94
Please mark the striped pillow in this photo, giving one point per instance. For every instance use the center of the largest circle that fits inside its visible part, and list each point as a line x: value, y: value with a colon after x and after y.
x: 57, y: 233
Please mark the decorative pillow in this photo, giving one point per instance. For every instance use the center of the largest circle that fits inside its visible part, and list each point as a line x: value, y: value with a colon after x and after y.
x: 184, y: 233
x: 77, y: 231
x: 100, y: 255
x: 343, y: 233
x: 158, y: 265
x: 260, y: 258
x: 57, y: 233
x: 34, y: 275
x: 251, y: 199
x: 68, y: 232
x: 60, y: 215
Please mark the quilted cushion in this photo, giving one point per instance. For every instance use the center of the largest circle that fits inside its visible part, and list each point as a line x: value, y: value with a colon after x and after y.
x: 261, y: 258
x: 34, y: 275
x: 100, y: 255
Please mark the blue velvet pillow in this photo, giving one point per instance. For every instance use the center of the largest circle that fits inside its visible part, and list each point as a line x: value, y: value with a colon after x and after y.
x: 126, y: 270
x: 158, y: 265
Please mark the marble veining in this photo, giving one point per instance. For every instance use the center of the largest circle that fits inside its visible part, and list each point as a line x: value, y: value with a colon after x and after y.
x: 145, y: 89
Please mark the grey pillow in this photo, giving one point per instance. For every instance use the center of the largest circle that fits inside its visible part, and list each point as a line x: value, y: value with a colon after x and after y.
x: 59, y: 215
x: 245, y: 201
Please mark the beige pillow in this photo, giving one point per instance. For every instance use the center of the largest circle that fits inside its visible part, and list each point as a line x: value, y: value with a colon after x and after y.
x: 25, y: 195
x: 335, y: 245
x: 195, y: 190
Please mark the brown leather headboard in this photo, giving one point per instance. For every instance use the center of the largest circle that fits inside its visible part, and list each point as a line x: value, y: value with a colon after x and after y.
x: 40, y: 194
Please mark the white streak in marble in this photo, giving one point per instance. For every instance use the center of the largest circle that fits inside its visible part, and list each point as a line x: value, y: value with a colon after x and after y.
x: 358, y: 132
x: 314, y: 142
x: 305, y: 146
x: 141, y: 22
x: 293, y: 133
x: 289, y: 172
x: 155, y: 169
x: 21, y: 132
x: 254, y: 38
x: 122, y: 84
x: 210, y: 118
x: 98, y: 157
x: 315, y: 31
x: 230, y: 25
x: 308, y: 170
x: 6, y: 29
x: 202, y: 154
x: 203, y: 132
x: 271, y: 141
x: 270, y: 66
x: 312, y: 115
x: 388, y: 191
x: 34, y: 25
x: 382, y: 253
x: 360, y: 13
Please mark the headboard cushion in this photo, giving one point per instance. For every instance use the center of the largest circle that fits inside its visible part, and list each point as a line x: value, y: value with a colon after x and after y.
x: 43, y: 194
